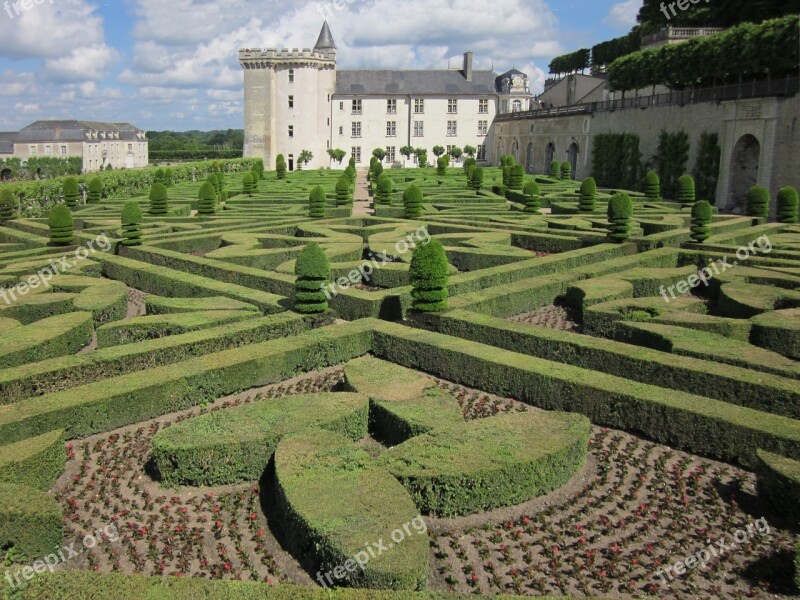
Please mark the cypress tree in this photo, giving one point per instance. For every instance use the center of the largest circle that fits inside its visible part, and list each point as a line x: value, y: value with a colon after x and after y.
x: 428, y: 273
x: 787, y: 205
x: 758, y: 201
x: 701, y: 219
x: 316, y: 203
x: 313, y: 272
x: 72, y: 191
x: 532, y: 194
x: 62, y: 227
x: 207, y: 199
x: 158, y: 199
x: 620, y: 212
x: 132, y: 224
x: 95, y: 191
x: 588, y: 195
x: 412, y: 202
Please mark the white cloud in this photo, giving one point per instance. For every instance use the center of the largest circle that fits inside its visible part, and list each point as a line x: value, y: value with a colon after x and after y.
x: 82, y: 64
x: 623, y: 14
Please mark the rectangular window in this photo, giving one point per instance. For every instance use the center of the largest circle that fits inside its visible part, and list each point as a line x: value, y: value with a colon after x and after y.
x: 449, y: 147
x: 341, y: 130
x: 355, y: 151
x: 483, y: 107
x: 341, y: 105
x: 419, y: 106
x: 48, y: 150
x: 291, y: 75
x: 481, y: 152
x: 355, y: 130
x: 452, y: 129
x: 419, y: 129
x: 483, y: 127
x: 291, y: 131
x: 32, y: 150
x: 357, y: 107
x: 391, y: 107
x: 452, y: 106
x: 63, y: 150
x: 291, y: 101
x: 391, y: 129
x: 390, y: 153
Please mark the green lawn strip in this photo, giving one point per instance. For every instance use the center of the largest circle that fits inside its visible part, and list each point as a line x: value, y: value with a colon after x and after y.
x: 699, y: 424
x: 49, y: 338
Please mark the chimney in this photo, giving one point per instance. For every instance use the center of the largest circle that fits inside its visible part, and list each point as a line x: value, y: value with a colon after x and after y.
x: 468, y: 66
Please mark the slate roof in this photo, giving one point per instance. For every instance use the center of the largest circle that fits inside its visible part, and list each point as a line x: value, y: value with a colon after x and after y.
x: 72, y: 131
x: 412, y: 82
x: 325, y: 39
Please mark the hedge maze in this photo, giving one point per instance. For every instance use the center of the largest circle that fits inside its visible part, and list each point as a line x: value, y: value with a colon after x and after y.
x: 251, y: 383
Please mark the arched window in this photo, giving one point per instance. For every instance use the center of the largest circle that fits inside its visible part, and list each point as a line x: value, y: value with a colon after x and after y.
x: 516, y: 106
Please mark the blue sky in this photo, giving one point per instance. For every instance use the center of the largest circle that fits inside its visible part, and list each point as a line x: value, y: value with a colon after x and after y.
x: 172, y: 64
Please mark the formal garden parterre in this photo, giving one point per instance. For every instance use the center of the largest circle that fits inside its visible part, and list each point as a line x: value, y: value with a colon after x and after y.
x: 572, y: 387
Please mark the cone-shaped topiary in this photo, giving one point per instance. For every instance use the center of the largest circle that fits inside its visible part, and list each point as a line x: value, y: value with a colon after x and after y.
x: 532, y: 194
x: 441, y: 166
x: 385, y: 187
x: 517, y: 177
x: 62, y: 228
x: 428, y: 273
x: 280, y: 166
x: 132, y: 224
x: 95, y: 194
x: 158, y: 199
x: 507, y: 175
x: 588, y: 199
x: 555, y: 169
x: 787, y: 205
x: 350, y: 171
x: 221, y: 183
x: 207, y: 199
x: 316, y: 203
x: 72, y: 191
x: 9, y: 205
x: 566, y: 171
x: 620, y: 211
x: 412, y: 202
x: 343, y: 197
x: 313, y: 272
x: 477, y: 180
x: 652, y: 186
x: 758, y: 201
x: 247, y: 184
x: 686, y: 189
x: 701, y: 219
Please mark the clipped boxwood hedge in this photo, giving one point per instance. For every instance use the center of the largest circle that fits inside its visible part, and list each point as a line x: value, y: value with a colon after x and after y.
x: 778, y: 483
x: 56, y: 336
x: 36, y: 462
x: 30, y: 520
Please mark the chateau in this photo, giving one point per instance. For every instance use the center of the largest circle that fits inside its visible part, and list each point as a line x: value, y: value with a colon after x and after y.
x: 297, y: 100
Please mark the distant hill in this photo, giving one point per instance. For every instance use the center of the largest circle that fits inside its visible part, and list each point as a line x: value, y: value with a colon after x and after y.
x: 195, y: 145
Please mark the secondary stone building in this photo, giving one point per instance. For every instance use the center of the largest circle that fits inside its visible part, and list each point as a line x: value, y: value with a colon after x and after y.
x: 99, y: 144
x: 297, y: 100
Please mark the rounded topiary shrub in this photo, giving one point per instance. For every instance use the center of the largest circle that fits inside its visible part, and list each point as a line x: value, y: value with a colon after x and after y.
x: 384, y: 193
x: 470, y: 171
x: 9, y: 205
x: 758, y: 201
x: 351, y: 162
x: 62, y: 227
x: 686, y: 189
x: 566, y: 171
x: 377, y: 171
x: 441, y: 166
x: 555, y: 169
x: 652, y: 186
x: 160, y: 176
x: 313, y: 273
x: 532, y: 194
x: 247, y: 184
x: 470, y: 162
x: 316, y: 203
x: 158, y: 199
x: 507, y: 175
x: 517, y: 177
x: 412, y: 202
x: 701, y: 221
x: 350, y: 171
x: 95, y: 191
x: 280, y: 166
x: 588, y: 199
x: 72, y: 191
x: 207, y: 199
x: 132, y: 224
x: 620, y: 213
x: 787, y: 205
x: 428, y: 273
x: 343, y: 191
x: 212, y: 179
x: 477, y: 179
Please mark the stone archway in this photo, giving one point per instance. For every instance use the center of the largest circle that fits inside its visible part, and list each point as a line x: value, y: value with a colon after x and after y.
x: 549, y: 155
x: 529, y: 158
x: 744, y: 171
x: 572, y: 158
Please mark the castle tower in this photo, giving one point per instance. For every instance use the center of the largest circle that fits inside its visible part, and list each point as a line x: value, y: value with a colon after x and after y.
x: 287, y: 101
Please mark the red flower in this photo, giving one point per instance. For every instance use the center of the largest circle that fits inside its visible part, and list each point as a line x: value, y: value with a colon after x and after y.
x: 227, y: 567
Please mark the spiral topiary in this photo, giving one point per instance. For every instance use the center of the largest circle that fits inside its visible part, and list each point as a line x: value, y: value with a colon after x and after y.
x: 62, y: 227
x: 316, y: 203
x: 758, y: 201
x: 207, y: 199
x: 441, y: 166
x: 652, y: 186
x: 9, y: 205
x: 343, y: 197
x: 701, y: 221
x: 95, y: 194
x: 280, y: 166
x: 532, y: 195
x: 72, y: 191
x: 412, y: 202
x: 470, y: 173
x: 132, y: 224
x: 620, y: 212
x: 566, y: 171
x: 686, y: 189
x: 428, y: 273
x: 350, y: 171
x: 247, y: 184
x: 313, y: 272
x: 385, y: 186
x: 158, y: 199
x: 517, y: 177
x: 787, y: 205
x: 555, y: 169
x: 588, y: 199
